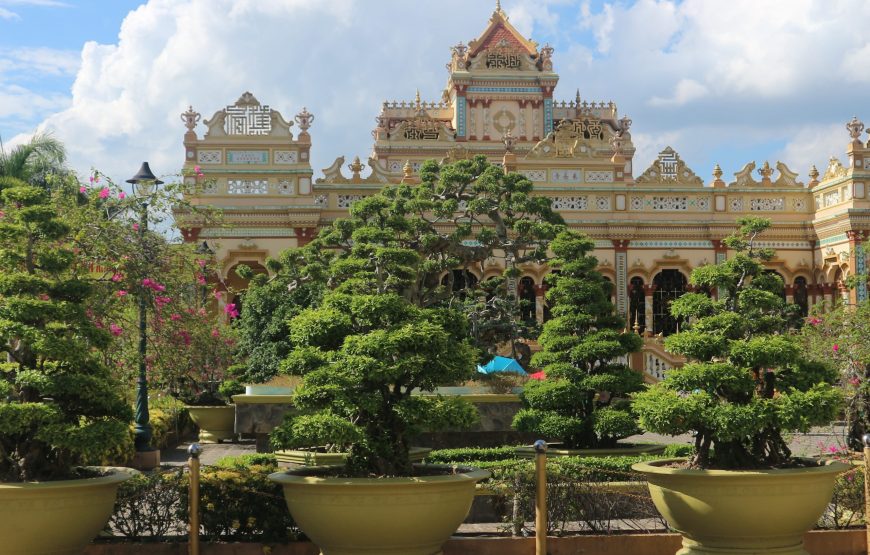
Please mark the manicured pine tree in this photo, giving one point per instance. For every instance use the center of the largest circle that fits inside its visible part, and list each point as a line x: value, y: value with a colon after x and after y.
x: 748, y: 381
x: 582, y: 402
x: 59, y: 406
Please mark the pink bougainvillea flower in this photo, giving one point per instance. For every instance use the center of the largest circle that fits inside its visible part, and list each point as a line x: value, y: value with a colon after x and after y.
x: 854, y: 380
x: 146, y: 282
x: 200, y: 279
x: 116, y: 277
x: 83, y: 189
x: 115, y: 329
x: 836, y: 348
x: 162, y: 301
x: 122, y: 293
x: 104, y: 192
x: 814, y: 321
x: 231, y: 310
x: 43, y: 297
x: 135, y: 227
x: 215, y: 333
x: 197, y: 169
x: 92, y: 179
x: 175, y: 317
x: 201, y: 262
x: 185, y: 336
x: 218, y: 294
x: 833, y: 449
x: 122, y: 195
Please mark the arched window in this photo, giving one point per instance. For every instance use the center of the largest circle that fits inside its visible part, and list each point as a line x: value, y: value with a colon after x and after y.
x: 462, y: 281
x: 670, y: 285
x: 801, y: 295
x: 527, y: 294
x: 782, y: 279
x: 636, y: 304
x: 608, y: 289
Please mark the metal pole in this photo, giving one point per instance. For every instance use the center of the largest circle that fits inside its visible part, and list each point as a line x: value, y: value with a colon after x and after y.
x: 541, y: 497
x: 193, y: 499
x: 142, y: 428
x: 866, y: 439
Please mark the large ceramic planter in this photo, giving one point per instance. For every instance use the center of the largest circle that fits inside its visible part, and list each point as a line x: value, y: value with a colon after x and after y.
x: 303, y: 457
x: 627, y: 450
x: 56, y: 518
x: 389, y: 516
x: 215, y: 423
x: 748, y: 512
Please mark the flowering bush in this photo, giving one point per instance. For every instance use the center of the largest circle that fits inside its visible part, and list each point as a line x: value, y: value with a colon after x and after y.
x: 841, y: 336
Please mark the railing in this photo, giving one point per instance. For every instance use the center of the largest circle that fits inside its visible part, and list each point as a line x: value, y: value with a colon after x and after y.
x: 656, y: 361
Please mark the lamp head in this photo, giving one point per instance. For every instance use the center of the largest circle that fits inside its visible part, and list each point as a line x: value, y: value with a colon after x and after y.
x: 144, y: 181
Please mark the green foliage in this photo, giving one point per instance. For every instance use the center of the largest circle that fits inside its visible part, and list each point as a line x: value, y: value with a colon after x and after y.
x: 575, y: 403
x: 748, y: 380
x: 387, y: 325
x: 838, y: 340
x: 60, y: 406
x: 269, y: 304
x: 238, y: 503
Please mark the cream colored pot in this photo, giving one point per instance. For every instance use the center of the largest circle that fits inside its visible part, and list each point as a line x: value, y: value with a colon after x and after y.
x: 216, y: 424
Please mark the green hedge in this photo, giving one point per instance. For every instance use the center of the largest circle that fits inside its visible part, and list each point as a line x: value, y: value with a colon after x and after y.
x: 238, y: 503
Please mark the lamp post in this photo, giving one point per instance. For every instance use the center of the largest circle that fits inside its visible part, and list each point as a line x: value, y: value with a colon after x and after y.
x: 144, y: 184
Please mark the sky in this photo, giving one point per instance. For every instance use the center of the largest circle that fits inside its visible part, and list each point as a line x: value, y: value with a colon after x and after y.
x: 720, y: 82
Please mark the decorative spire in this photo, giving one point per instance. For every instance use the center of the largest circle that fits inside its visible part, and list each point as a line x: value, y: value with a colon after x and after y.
x: 509, y: 141
x: 577, y: 98
x: 190, y: 118
x: 765, y: 171
x: 855, y: 127
x: 417, y: 100
x: 356, y: 167
x: 304, y: 119
x: 814, y: 173
x: 498, y: 5
x: 407, y: 170
x: 717, y: 172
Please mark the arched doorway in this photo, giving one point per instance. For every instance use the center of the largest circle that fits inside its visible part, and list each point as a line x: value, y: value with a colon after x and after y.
x: 801, y: 295
x: 463, y: 281
x: 670, y: 285
x: 636, y: 304
x: 527, y: 294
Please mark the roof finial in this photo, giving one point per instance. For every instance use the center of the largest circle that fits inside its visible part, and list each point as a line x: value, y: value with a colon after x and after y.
x: 417, y: 100
x: 498, y: 5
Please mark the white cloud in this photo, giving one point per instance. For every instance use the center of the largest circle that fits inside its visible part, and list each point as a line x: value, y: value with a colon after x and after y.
x: 45, y: 61
x: 726, y: 80
x: 686, y: 91
x: 814, y: 145
x: 8, y: 14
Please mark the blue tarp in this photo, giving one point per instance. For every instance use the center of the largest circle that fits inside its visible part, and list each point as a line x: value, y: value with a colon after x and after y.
x: 501, y: 364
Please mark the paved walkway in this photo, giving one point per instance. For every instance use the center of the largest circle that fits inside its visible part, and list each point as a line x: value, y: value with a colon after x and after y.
x: 815, y: 442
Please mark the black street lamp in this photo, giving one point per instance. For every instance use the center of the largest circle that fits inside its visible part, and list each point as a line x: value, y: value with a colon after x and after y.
x: 144, y: 184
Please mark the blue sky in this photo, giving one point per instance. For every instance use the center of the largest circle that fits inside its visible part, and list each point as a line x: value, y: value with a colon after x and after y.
x: 721, y: 82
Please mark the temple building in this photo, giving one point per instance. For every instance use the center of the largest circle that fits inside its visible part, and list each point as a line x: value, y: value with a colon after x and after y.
x: 650, y: 227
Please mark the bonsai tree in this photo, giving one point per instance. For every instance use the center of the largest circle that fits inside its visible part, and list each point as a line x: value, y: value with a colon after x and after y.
x: 392, y: 321
x: 59, y: 406
x: 747, y: 380
x: 582, y: 401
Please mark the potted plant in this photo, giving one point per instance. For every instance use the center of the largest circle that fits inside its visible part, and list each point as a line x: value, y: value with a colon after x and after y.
x: 390, y: 324
x: 583, y: 400
x: 60, y: 409
x: 746, y: 384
